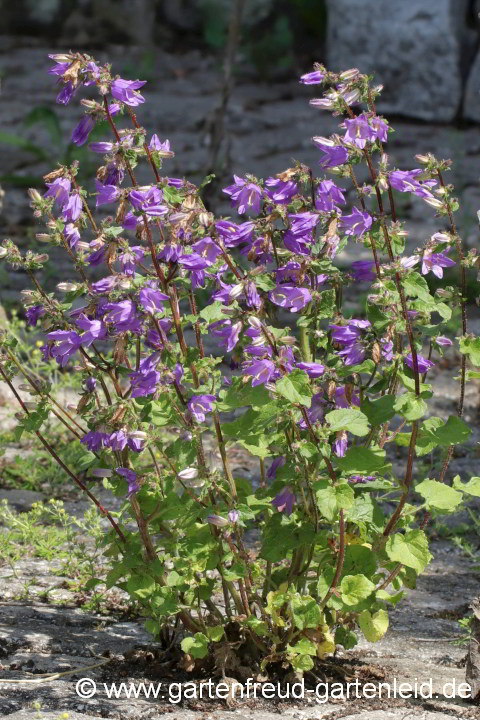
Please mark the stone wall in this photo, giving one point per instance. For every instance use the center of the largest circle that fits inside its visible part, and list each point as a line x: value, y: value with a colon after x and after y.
x: 425, y: 53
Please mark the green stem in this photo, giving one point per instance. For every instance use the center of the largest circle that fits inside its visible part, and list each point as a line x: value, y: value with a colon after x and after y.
x: 305, y: 345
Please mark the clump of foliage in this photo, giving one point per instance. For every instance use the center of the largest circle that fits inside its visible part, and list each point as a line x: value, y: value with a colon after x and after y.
x: 316, y: 406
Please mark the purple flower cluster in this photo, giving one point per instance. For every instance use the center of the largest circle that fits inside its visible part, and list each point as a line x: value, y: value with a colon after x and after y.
x: 280, y: 256
x: 348, y: 336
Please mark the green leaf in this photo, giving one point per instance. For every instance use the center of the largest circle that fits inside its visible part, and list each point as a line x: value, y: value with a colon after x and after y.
x: 259, y: 627
x: 359, y: 560
x: 355, y: 588
x: 325, y: 305
x: 444, y: 310
x: 367, y: 366
x: 410, y: 406
x: 282, y: 535
x: 439, y: 495
x: 264, y: 282
x: 393, y: 599
x: 378, y: 319
x: 242, y: 394
x: 406, y: 376
x: 302, y: 663
x: 303, y: 647
x: 93, y: 582
x: 87, y: 460
x: 471, y: 346
x: 345, y: 637
x: 306, y: 612
x: 379, y: 411
x: 235, y: 572
x: 215, y: 633
x: 295, y: 387
x: 454, y: 431
x: 472, y: 487
x: 196, y: 646
x: 114, y: 575
x: 416, y: 285
x: 307, y: 449
x: 140, y: 586
x: 172, y: 195
x: 373, y: 626
x: 330, y: 498
x: 352, y: 420
x: 363, y: 460
x: 410, y: 549
x: 113, y: 231
x: 256, y: 445
x: 365, y: 510
x: 213, y: 312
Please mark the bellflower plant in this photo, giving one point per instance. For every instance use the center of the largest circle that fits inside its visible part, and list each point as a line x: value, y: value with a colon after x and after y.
x: 316, y: 405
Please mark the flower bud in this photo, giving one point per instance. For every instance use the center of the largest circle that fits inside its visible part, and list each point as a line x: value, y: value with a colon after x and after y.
x: 217, y: 520
x: 424, y: 159
x: 376, y: 353
x: 257, y: 271
x: 332, y: 387
x: 101, y: 472
x: 441, y: 237
x: 349, y: 392
x: 236, y: 291
x: 90, y: 104
x: 30, y: 405
x: 254, y: 322
x: 434, y: 202
x: 61, y: 57
x: 444, y: 341
x: 233, y: 516
x: 323, y: 140
x: 66, y: 286
x: 121, y: 210
x: 383, y: 183
x: 288, y: 340
x: 351, y: 96
x: 27, y: 293
x: 41, y: 258
x: 125, y: 284
x: 54, y: 175
x: 27, y: 388
x: 349, y: 74
x: 258, y: 341
x: 83, y: 402
x: 323, y: 103
x: 188, y: 474
x: 81, y: 245
x: 20, y: 416
x: 3, y: 252
x: 205, y: 219
x: 34, y: 195
x: 138, y: 434
x: 43, y: 237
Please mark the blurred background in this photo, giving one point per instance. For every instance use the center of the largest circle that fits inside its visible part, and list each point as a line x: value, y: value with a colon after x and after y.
x: 223, y: 88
